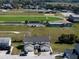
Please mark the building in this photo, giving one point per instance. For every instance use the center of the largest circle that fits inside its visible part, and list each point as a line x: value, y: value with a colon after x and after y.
x: 59, y: 24
x: 68, y: 52
x: 66, y: 13
x: 72, y: 53
x: 5, y: 43
x: 6, y: 6
x: 35, y: 24
x: 77, y: 49
x: 37, y: 43
x: 73, y: 18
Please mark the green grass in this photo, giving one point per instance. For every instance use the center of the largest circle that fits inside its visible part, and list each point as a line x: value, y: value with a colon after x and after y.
x: 58, y: 48
x: 25, y: 17
x: 55, y: 32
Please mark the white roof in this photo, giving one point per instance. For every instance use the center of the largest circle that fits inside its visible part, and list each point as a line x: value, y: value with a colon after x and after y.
x: 5, y: 39
x: 55, y: 23
x: 59, y: 22
x: 29, y: 48
x: 45, y: 48
x: 75, y: 15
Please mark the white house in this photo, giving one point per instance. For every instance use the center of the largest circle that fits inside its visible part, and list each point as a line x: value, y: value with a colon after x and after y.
x: 5, y: 43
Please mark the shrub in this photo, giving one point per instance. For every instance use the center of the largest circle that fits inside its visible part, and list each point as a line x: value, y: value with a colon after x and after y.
x: 67, y: 38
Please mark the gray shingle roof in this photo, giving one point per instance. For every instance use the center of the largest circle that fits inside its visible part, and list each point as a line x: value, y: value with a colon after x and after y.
x: 73, y: 56
x: 69, y: 51
x: 37, y: 39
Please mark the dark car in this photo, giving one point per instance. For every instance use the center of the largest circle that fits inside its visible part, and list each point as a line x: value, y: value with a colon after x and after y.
x: 23, y: 54
x: 8, y: 52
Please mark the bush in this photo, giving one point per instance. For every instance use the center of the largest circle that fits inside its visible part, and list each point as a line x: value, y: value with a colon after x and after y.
x: 26, y: 22
x: 20, y: 47
x: 77, y: 40
x: 67, y: 38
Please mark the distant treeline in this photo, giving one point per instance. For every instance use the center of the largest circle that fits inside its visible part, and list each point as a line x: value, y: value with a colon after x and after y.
x: 38, y: 4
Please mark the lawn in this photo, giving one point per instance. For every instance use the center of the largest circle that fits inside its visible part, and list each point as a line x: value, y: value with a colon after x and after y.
x: 54, y: 32
x: 58, y: 48
x: 27, y: 17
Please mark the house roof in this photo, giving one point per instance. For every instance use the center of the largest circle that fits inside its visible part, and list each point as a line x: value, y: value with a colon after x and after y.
x: 74, y: 17
x: 73, y: 56
x: 59, y: 22
x: 37, y: 39
x: 46, y: 48
x: 77, y: 47
x: 4, y: 39
x: 69, y: 51
x: 29, y: 48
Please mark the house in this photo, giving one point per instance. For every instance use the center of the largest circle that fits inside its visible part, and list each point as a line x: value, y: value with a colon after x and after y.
x: 68, y: 52
x: 77, y: 49
x: 35, y: 24
x: 37, y: 43
x: 59, y: 24
x: 73, y: 56
x: 66, y: 13
x: 73, y: 18
x: 55, y: 24
x: 72, y: 53
x: 5, y: 43
x: 6, y: 6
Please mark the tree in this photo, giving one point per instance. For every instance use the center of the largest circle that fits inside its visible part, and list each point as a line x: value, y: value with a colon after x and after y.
x: 67, y: 38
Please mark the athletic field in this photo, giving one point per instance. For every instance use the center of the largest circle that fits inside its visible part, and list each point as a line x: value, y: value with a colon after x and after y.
x: 27, y: 17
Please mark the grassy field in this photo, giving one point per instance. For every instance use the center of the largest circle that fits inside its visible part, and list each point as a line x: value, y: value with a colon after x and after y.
x: 22, y: 15
x: 27, y: 17
x: 55, y: 32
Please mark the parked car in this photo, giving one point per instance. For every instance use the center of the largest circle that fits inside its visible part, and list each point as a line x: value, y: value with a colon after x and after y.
x: 8, y: 52
x: 23, y: 53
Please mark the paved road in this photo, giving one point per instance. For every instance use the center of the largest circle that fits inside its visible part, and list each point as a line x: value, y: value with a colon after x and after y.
x: 25, y: 57
x: 4, y: 56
